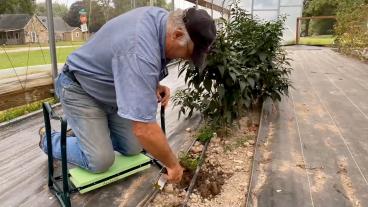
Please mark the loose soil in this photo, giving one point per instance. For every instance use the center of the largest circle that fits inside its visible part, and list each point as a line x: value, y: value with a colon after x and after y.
x: 224, y: 176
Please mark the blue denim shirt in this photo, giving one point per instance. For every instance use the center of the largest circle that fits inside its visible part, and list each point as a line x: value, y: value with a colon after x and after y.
x: 122, y: 64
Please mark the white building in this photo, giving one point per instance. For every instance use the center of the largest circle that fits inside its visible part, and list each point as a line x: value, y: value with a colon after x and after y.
x: 262, y: 9
x: 271, y: 9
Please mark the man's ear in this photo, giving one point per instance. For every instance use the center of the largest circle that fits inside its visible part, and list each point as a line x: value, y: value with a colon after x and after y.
x: 178, y: 34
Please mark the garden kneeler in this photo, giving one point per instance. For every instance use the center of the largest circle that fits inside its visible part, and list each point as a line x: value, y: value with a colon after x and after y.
x: 80, y: 180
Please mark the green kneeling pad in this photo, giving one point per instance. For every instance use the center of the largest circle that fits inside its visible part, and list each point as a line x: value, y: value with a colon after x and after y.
x: 123, y: 167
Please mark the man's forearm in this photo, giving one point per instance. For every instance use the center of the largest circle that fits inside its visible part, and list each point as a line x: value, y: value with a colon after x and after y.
x: 154, y: 141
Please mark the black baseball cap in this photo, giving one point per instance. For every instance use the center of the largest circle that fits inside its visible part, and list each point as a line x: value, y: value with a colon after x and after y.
x: 202, y: 31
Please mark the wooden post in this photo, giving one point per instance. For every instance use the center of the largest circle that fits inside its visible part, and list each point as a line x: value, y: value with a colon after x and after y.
x: 222, y: 12
x: 51, y: 31
x: 212, y: 8
x: 297, y: 30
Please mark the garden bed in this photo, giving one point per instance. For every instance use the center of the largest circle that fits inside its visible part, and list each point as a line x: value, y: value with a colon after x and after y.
x: 243, y: 68
x: 224, y: 176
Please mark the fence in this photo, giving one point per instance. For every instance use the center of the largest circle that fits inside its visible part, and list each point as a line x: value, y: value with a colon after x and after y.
x: 316, y: 30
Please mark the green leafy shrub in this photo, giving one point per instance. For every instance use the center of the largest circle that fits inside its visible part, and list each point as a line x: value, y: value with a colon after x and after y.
x: 245, y: 65
x: 352, y: 27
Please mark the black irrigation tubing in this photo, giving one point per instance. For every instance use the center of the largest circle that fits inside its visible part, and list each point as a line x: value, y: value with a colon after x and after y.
x: 145, y: 202
x: 153, y: 194
x: 190, y: 146
x: 248, y: 193
x: 193, y: 181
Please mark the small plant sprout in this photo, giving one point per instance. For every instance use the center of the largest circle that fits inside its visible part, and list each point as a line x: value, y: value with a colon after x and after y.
x: 189, y: 162
x: 205, y: 134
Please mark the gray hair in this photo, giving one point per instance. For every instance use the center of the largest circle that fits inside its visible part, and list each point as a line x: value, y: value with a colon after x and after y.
x: 176, y: 18
x: 175, y: 21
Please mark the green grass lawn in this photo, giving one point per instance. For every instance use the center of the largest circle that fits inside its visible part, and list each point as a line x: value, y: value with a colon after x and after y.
x: 36, y: 57
x: 58, y: 43
x: 64, y: 43
x: 317, y: 40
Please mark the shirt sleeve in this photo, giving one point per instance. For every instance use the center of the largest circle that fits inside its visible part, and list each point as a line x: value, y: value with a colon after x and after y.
x: 135, y: 82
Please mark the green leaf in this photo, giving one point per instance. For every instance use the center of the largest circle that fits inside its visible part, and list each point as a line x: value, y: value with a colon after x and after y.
x: 251, y: 82
x: 221, y: 91
x: 242, y: 86
x: 253, y: 52
x: 233, y: 77
x: 222, y: 70
x: 247, y: 102
x: 257, y: 75
x: 262, y: 56
x: 228, y: 117
x: 207, y: 84
x: 228, y: 81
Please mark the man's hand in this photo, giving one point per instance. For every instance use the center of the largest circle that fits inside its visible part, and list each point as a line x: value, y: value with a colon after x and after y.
x: 174, y: 174
x: 163, y: 95
x: 152, y: 138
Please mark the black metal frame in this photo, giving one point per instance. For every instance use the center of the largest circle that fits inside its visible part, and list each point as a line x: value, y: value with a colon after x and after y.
x: 63, y: 193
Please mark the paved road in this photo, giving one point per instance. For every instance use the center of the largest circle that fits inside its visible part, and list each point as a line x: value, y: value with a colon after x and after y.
x: 23, y: 169
x: 10, y: 72
x: 312, y: 148
x: 23, y: 77
x: 25, y: 49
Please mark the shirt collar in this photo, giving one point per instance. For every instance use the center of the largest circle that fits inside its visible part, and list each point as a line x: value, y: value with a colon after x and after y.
x: 162, y: 30
x: 162, y: 38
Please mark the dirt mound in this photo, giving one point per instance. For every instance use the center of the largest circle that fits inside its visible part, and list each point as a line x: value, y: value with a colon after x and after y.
x: 224, y: 176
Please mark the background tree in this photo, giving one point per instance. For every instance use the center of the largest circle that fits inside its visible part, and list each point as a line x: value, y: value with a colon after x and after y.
x: 59, y: 10
x: 17, y: 7
x: 162, y: 4
x: 352, y: 28
x: 40, y: 9
x: 104, y: 10
x: 107, y: 9
x: 122, y: 6
x: 305, y: 3
x: 96, y: 16
x: 320, y: 8
x: 72, y: 17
